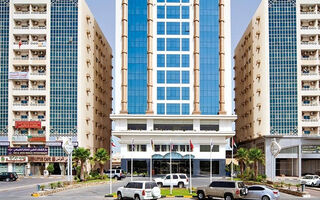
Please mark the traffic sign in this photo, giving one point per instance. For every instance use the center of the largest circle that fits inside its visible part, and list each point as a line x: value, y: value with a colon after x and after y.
x: 67, y: 146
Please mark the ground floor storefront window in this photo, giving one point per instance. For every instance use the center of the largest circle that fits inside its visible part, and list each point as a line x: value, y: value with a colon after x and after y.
x: 205, y: 167
x: 19, y: 168
x: 287, y: 167
x: 138, y: 166
x: 177, y: 166
x: 37, y: 169
x: 3, y: 167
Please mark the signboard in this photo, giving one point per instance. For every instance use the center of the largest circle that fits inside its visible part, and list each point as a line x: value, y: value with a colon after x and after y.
x: 275, y: 148
x: 13, y: 159
x: 28, y: 151
x: 18, y: 75
x: 53, y: 143
x: 48, y: 159
x: 37, y: 139
x: 28, y: 124
x: 67, y: 146
x: 4, y: 143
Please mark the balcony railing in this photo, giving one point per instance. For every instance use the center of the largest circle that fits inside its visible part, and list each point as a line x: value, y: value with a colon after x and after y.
x: 38, y: 27
x: 309, y: 73
x: 38, y: 73
x: 21, y: 12
x: 37, y: 104
x: 21, y: 27
x: 20, y: 138
x: 309, y: 89
x: 38, y: 88
x: 308, y: 27
x: 20, y: 104
x: 309, y: 43
x: 38, y: 58
x: 20, y: 119
x: 309, y: 58
x: 310, y: 120
x: 21, y: 58
x: 23, y: 43
x: 308, y: 12
x: 21, y: 88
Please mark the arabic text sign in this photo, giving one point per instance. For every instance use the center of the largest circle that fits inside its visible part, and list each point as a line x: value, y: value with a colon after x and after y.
x: 28, y: 151
x: 48, y: 159
x: 13, y: 159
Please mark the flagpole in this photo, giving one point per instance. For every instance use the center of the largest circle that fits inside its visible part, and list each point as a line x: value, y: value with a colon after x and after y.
x: 170, y: 169
x: 110, y: 168
x: 232, y: 161
x: 151, y: 144
x: 211, y: 160
x: 132, y: 149
x: 190, y: 168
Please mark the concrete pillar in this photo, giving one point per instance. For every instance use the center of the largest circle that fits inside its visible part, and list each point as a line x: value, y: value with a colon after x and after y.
x: 150, y: 57
x: 124, y: 58
x: 221, y: 58
x: 10, y: 167
x: 222, y: 167
x: 196, y: 54
x: 195, y: 167
x: 124, y: 165
x: 299, y: 161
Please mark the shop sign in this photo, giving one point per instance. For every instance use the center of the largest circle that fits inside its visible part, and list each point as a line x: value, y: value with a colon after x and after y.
x: 48, y: 159
x: 28, y: 151
x: 18, y: 75
x: 28, y: 124
x: 53, y: 143
x: 13, y: 159
x: 37, y: 139
x: 4, y: 143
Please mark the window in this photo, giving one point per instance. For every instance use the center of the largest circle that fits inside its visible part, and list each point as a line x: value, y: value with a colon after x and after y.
x: 185, y: 61
x: 143, y: 148
x: 160, y: 60
x: 182, y: 176
x: 156, y: 148
x: 160, y: 12
x: 185, y: 77
x: 173, y: 77
x: 185, y: 12
x: 138, y: 147
x: 173, y: 12
x: 209, y: 127
x: 173, y: 93
x: 138, y: 185
x: 185, y: 93
x: 3, y: 150
x: 185, y: 44
x: 185, y: 28
x: 173, y: 60
x: 185, y: 109
x: 56, y: 151
x: 164, y: 148
x: 173, y: 109
x: 150, y: 185
x: 173, y: 28
x: 160, y: 44
x: 137, y: 126
x: 255, y: 188
x: 173, y: 44
x: 174, y: 177
x: 160, y: 93
x: 160, y: 76
x: 206, y: 148
x: 160, y: 108
x: 160, y: 28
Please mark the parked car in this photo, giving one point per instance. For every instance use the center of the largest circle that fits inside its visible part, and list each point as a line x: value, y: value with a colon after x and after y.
x: 139, y: 190
x: 116, y: 173
x: 262, y: 192
x: 179, y: 180
x: 8, y: 176
x: 228, y: 190
x: 311, y: 180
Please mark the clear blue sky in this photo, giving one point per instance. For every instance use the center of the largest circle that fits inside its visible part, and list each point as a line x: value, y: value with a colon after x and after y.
x: 242, y: 11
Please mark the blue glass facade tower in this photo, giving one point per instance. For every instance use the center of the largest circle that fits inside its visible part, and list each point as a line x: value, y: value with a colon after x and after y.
x: 64, y: 67
x: 283, y: 67
x: 4, y: 65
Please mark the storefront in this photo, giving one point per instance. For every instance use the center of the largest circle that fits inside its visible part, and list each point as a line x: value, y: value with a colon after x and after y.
x: 13, y: 164
x: 39, y: 163
x: 3, y: 167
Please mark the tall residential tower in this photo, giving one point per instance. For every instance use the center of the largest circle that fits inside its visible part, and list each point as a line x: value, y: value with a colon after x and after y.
x: 173, y: 83
x: 277, y: 77
x: 55, y: 83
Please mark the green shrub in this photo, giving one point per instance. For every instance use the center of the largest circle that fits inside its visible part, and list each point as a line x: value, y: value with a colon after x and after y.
x: 59, y: 184
x: 94, y: 173
x: 42, y: 187
x: 53, y: 185
x: 50, y: 169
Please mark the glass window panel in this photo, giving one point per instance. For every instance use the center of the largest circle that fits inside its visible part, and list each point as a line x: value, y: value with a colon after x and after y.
x: 160, y: 12
x: 185, y: 60
x: 173, y: 109
x: 173, y: 93
x: 185, y: 28
x: 173, y: 44
x: 185, y: 76
x: 160, y: 76
x: 185, y: 44
x: 173, y: 28
x: 160, y: 93
x: 185, y: 12
x: 173, y: 77
x: 160, y: 44
x: 173, y: 12
x: 185, y: 93
x: 160, y: 60
x: 160, y: 108
x: 160, y: 28
x: 173, y: 60
x: 185, y: 109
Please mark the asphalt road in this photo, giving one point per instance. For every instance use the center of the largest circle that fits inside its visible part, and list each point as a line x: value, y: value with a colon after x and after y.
x: 98, y: 192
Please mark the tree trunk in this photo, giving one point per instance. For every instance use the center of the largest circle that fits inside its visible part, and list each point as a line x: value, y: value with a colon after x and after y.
x: 81, y: 171
x: 101, y: 169
x: 241, y: 166
x: 256, y: 169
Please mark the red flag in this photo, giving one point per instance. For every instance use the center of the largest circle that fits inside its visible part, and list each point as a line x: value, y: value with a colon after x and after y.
x: 113, y: 145
x: 191, y: 145
x: 233, y: 143
x: 171, y: 146
x: 20, y: 43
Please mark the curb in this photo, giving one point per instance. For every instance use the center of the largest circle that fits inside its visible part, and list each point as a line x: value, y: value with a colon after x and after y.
x: 167, y: 196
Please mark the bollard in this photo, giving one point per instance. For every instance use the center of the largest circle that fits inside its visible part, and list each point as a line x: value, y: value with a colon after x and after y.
x: 303, y: 186
x: 38, y: 187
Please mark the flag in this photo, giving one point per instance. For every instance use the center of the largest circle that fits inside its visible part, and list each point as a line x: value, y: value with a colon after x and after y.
x: 191, y: 146
x: 132, y: 145
x: 20, y: 43
x: 211, y: 145
x: 112, y: 144
x: 171, y: 146
x: 152, y: 144
x: 233, y: 143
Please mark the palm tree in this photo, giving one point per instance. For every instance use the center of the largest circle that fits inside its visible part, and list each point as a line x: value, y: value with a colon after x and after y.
x: 256, y: 155
x: 101, y: 157
x: 242, y: 156
x: 80, y: 156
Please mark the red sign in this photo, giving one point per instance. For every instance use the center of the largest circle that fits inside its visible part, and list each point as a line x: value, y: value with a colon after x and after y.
x: 28, y: 124
x: 37, y: 139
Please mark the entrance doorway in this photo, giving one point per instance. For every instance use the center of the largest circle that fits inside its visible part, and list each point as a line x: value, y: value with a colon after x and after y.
x: 161, y: 167
x: 37, y: 169
x: 287, y: 167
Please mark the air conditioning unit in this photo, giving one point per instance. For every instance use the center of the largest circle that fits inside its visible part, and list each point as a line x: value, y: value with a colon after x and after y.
x: 41, y: 52
x: 34, y: 8
x: 41, y: 98
x: 17, y: 82
x: 312, y: 83
x: 17, y: 98
x: 311, y: 23
x: 311, y: 113
x: 35, y: 98
x: 311, y: 38
x: 18, y: 22
x: 18, y: 37
x: 34, y: 83
x: 35, y: 37
x: 18, y: 68
x: 18, y: 8
x: 41, y: 67
x: 18, y: 53
x: 35, y: 53
x: 18, y: 113
x: 35, y: 22
x: 23, y: 67
x: 35, y: 67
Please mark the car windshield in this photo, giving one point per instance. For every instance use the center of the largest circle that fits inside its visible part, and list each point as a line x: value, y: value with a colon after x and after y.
x: 150, y: 185
x: 308, y: 177
x: 241, y: 185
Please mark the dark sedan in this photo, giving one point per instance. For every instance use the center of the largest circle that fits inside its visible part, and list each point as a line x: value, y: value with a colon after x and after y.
x: 8, y: 176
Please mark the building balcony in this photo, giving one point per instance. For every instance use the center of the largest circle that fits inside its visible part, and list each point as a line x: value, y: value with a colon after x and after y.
x: 20, y: 104
x: 19, y: 138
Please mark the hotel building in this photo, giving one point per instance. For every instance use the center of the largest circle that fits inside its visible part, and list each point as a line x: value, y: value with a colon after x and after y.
x: 55, y: 83
x: 277, y: 85
x: 173, y: 84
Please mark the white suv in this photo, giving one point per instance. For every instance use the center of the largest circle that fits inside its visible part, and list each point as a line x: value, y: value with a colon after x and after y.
x: 116, y: 173
x: 180, y: 180
x: 139, y: 190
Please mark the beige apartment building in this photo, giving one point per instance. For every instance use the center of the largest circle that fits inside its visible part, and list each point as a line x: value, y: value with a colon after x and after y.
x: 57, y: 79
x: 277, y: 80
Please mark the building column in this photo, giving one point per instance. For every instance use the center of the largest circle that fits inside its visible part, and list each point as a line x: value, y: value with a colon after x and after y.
x: 221, y: 58
x: 196, y: 69
x: 124, y: 59
x: 150, y: 56
x: 124, y: 165
x: 195, y: 167
x: 299, y: 161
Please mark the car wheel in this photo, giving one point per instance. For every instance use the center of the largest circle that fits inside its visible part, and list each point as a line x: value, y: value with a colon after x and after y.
x: 312, y: 184
x: 201, y: 195
x: 180, y: 185
x: 116, y: 177
x: 7, y: 179
x: 265, y: 198
x: 136, y: 197
x: 228, y: 197
x: 119, y: 196
x: 160, y: 185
